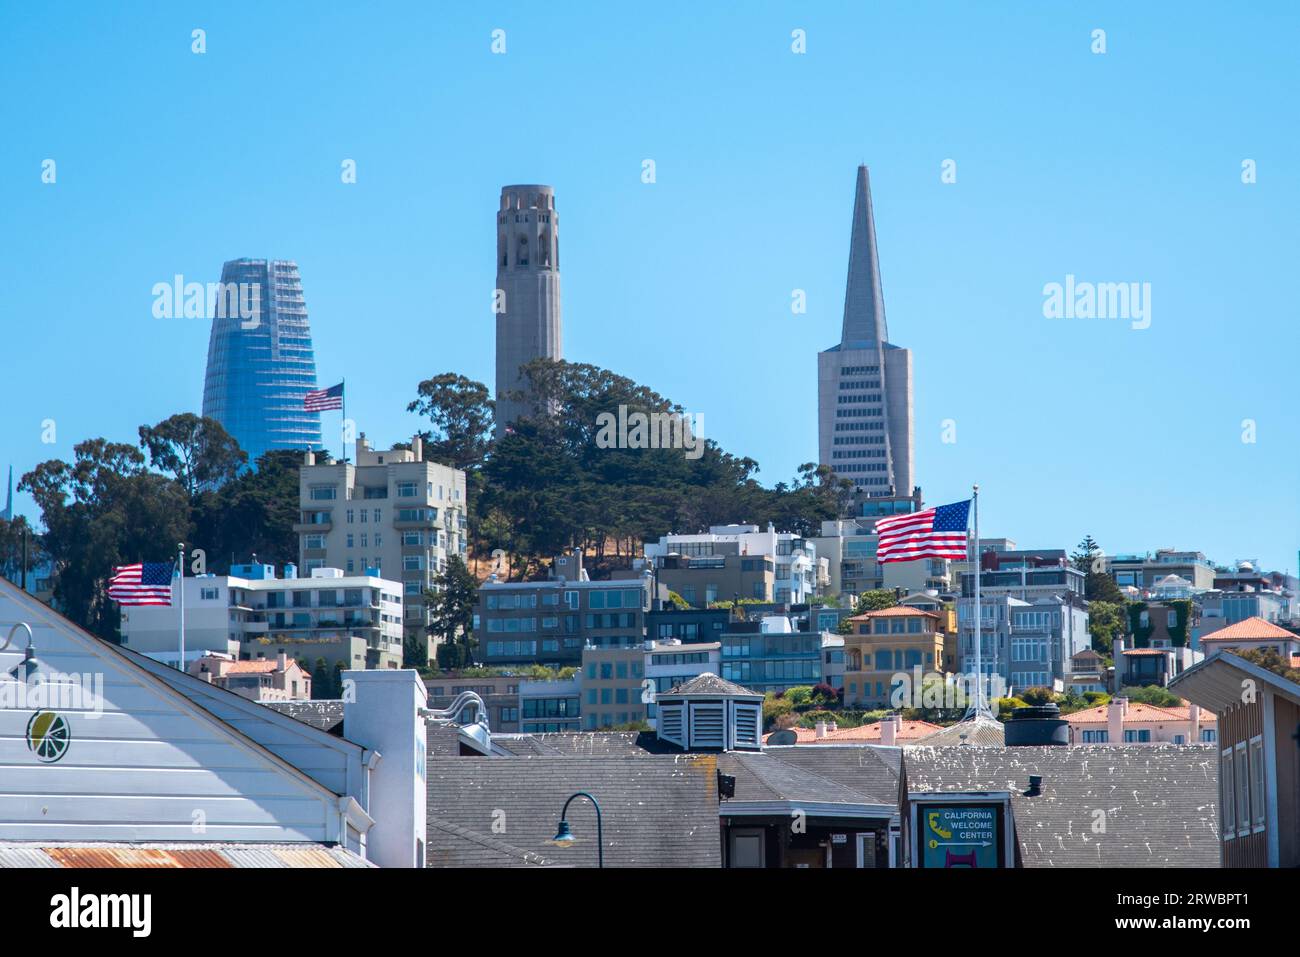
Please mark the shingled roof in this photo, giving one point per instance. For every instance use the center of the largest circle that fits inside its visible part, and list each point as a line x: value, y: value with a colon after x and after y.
x: 589, y: 743
x: 870, y: 770
x: 658, y: 810
x: 710, y: 684
x: 460, y: 847
x: 323, y: 715
x: 1158, y: 804
x: 981, y: 732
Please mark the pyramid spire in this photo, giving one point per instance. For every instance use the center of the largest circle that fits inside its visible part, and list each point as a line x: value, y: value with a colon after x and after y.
x: 8, y: 513
x: 864, y: 300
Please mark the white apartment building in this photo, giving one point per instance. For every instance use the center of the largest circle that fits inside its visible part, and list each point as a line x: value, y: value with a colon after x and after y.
x: 798, y: 571
x: 390, y: 514
x: 353, y: 619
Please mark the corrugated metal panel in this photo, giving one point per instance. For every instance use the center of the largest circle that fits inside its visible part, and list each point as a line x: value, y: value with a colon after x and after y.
x: 221, y: 856
x: 306, y: 857
x: 199, y: 857
x: 108, y: 856
x: 252, y: 855
x: 25, y: 857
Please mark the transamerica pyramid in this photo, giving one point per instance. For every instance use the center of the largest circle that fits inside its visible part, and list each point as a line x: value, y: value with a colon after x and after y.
x: 864, y: 384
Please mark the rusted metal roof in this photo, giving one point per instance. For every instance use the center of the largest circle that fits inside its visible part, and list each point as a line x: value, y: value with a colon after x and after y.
x: 197, y: 855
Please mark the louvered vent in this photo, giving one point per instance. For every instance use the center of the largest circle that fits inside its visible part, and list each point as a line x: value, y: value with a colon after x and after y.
x: 745, y: 724
x: 707, y: 726
x: 670, y: 724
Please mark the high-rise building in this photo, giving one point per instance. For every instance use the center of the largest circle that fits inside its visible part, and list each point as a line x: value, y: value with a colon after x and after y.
x: 528, y: 291
x: 864, y: 384
x: 260, y: 360
x: 390, y: 514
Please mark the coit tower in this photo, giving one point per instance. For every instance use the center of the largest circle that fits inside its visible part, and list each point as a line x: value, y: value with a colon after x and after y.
x: 527, y: 300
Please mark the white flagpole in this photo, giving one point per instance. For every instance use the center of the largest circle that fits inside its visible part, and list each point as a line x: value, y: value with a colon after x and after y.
x: 180, y: 586
x: 979, y: 670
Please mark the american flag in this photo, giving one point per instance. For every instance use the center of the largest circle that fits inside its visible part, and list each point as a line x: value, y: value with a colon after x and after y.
x: 319, y: 400
x: 144, y: 583
x: 938, y: 532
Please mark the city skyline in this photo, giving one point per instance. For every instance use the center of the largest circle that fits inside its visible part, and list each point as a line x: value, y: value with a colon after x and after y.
x: 1045, y: 411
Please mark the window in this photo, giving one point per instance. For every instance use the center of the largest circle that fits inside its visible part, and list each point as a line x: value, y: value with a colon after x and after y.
x: 1241, y: 773
x: 1137, y: 736
x: 323, y: 493
x: 1257, y: 783
x: 208, y: 594
x: 1228, y: 816
x: 1095, y: 737
x: 406, y: 490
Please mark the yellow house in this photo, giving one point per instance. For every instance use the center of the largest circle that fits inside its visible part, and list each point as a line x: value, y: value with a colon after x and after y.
x: 889, y: 642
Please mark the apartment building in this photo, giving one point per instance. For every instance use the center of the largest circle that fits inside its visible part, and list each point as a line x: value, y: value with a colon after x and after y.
x: 1024, y: 573
x: 797, y: 568
x: 355, y: 620
x: 1145, y: 571
x: 770, y: 654
x: 259, y: 679
x: 550, y: 622
x: 723, y: 576
x: 687, y: 625
x: 889, y: 642
x: 1121, y: 721
x: 391, y: 513
x: 549, y: 706
x: 614, y: 690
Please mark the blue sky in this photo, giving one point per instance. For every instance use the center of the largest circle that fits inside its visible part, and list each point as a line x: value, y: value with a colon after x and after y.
x: 1122, y: 167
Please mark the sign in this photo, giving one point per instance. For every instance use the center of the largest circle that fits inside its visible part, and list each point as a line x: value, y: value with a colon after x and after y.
x: 839, y: 839
x: 48, y: 736
x: 960, y: 835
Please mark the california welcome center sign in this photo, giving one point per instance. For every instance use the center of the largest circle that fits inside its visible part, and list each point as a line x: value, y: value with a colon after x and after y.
x: 961, y: 835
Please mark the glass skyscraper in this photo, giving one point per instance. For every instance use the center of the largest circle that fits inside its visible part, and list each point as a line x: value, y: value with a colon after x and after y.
x: 260, y: 359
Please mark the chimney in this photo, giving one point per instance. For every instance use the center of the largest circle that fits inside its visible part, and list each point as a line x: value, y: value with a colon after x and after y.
x: 1035, y: 785
x: 383, y: 714
x: 309, y: 458
x: 890, y: 725
x: 417, y: 448
x: 362, y: 444
x: 1194, y: 722
x: 282, y: 662
x: 821, y: 730
x: 1115, y: 712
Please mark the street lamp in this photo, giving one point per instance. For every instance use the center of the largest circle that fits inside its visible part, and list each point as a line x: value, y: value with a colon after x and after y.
x: 564, y: 834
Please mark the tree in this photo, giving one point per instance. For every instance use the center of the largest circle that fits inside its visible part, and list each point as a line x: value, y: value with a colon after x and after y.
x: 1098, y: 586
x: 1085, y: 554
x: 195, y: 451
x: 12, y: 536
x: 878, y: 599
x: 451, y: 604
x: 253, y: 514
x: 1106, y: 622
x: 1151, y: 694
x: 102, y: 510
x: 462, y: 413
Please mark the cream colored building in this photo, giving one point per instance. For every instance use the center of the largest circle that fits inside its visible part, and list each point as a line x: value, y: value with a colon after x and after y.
x: 391, y: 514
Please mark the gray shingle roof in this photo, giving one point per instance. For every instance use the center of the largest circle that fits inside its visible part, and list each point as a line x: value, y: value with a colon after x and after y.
x: 710, y: 684
x: 765, y: 777
x: 589, y: 743
x: 324, y: 715
x: 458, y: 846
x: 872, y: 771
x: 1158, y: 803
x: 979, y: 732
x: 658, y: 810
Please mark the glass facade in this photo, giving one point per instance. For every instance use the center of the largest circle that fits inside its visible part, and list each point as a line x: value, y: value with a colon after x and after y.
x: 260, y: 360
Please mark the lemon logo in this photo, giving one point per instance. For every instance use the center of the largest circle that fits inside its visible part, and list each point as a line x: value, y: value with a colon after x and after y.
x: 48, y: 736
x: 934, y: 826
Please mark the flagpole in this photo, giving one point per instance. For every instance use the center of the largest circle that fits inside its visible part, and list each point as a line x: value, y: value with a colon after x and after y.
x: 979, y: 640
x: 180, y: 585
x: 343, y: 432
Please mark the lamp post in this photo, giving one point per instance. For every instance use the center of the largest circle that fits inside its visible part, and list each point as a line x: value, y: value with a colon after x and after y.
x: 564, y: 834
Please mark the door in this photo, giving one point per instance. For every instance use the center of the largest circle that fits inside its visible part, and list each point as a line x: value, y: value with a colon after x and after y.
x: 747, y: 847
x: 866, y: 849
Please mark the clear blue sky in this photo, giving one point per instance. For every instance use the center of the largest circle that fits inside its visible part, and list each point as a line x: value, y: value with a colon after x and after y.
x: 1117, y: 167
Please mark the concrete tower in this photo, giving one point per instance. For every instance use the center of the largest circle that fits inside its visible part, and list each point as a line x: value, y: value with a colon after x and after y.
x: 528, y: 290
x: 864, y: 384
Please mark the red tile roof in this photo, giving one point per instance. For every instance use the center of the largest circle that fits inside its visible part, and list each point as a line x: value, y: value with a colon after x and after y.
x: 867, y: 733
x: 1251, y: 628
x: 1139, y: 712
x: 897, y: 611
x: 261, y: 666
